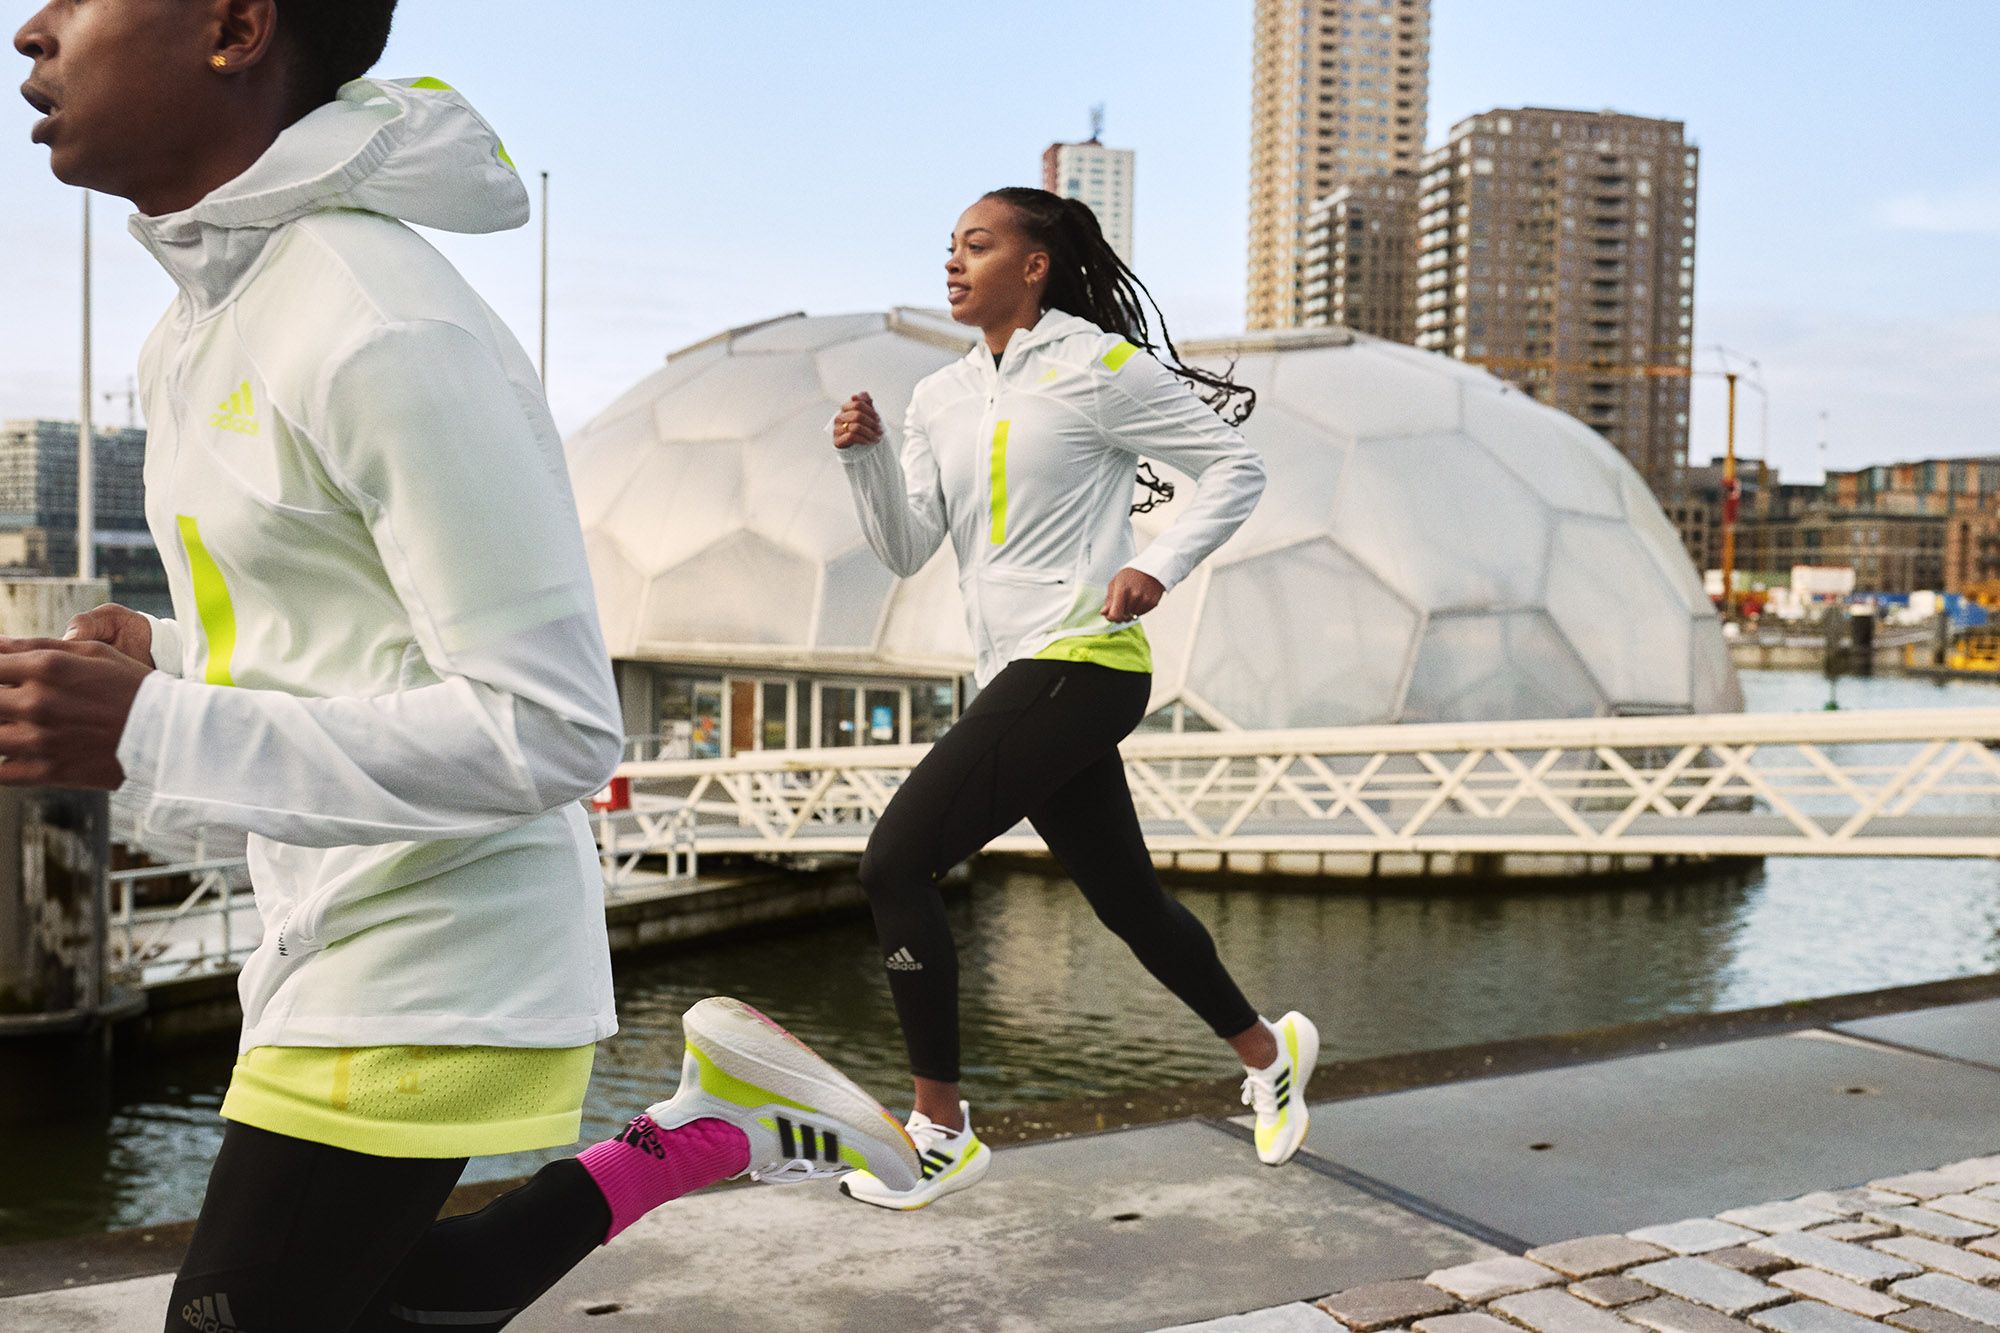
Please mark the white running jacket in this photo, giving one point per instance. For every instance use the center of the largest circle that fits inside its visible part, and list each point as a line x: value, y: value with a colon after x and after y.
x: 1028, y: 469
x: 385, y: 663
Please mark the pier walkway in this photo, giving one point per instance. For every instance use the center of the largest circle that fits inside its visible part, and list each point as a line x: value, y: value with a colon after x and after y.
x: 1492, y: 1154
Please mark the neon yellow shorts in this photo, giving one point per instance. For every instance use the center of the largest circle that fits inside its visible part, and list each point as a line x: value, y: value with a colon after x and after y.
x: 414, y: 1101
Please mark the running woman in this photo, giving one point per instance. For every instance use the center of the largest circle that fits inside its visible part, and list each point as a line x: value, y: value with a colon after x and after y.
x: 386, y: 668
x: 1023, y: 455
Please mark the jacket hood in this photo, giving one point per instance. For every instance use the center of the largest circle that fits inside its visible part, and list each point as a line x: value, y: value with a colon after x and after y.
x: 1053, y: 326
x: 414, y: 150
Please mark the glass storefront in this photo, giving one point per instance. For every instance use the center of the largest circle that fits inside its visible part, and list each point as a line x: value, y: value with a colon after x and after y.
x: 706, y: 717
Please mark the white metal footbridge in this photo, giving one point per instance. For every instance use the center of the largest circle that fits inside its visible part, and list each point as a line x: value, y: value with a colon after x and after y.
x: 1464, y: 799
x: 1919, y: 782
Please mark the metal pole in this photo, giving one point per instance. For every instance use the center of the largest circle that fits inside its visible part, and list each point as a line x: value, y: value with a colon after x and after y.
x: 545, y: 281
x: 1729, y: 507
x: 86, y: 463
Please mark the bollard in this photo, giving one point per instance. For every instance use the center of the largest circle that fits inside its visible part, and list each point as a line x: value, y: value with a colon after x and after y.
x: 57, y: 1000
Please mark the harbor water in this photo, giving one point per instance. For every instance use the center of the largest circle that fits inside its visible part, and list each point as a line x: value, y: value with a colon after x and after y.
x: 1054, y: 1008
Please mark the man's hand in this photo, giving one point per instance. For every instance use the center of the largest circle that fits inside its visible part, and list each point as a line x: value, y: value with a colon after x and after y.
x: 63, y: 705
x: 1131, y: 595
x: 127, y: 631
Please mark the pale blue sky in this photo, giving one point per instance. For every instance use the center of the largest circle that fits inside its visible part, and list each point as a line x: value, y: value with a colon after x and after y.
x: 719, y: 163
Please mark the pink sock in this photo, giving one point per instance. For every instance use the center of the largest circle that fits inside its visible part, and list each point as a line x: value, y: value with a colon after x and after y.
x: 645, y: 1166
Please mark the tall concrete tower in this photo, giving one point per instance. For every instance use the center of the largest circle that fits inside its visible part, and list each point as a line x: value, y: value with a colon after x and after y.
x: 1341, y: 89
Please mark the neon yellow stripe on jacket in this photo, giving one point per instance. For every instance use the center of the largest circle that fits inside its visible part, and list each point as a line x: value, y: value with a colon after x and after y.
x: 1115, y: 359
x: 999, y: 527
x: 211, y: 600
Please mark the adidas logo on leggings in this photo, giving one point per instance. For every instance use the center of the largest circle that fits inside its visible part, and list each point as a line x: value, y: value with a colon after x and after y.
x: 210, y: 1314
x: 900, y: 961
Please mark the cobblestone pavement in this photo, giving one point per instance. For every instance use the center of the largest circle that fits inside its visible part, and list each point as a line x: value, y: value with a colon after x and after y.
x: 1918, y: 1253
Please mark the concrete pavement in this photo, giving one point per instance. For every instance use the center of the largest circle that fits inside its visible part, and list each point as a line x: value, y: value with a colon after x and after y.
x: 1174, y: 1224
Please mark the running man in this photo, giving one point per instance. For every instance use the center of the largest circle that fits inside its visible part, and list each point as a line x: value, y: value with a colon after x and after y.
x: 386, y: 668
x: 1023, y: 455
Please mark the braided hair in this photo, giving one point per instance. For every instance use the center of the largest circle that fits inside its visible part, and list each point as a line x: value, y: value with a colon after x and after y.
x: 1087, y: 278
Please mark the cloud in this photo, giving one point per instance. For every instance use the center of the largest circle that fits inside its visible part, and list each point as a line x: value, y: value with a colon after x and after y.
x: 1971, y: 211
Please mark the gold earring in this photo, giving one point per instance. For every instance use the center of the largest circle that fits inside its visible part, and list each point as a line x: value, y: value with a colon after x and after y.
x: 219, y: 61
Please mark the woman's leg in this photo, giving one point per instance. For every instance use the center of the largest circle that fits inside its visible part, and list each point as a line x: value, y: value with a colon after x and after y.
x: 300, y: 1236
x: 1024, y: 736
x: 1092, y: 828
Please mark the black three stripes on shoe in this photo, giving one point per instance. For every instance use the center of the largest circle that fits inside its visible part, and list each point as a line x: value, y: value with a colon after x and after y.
x: 1284, y: 1089
x: 801, y: 1141
x: 933, y: 1162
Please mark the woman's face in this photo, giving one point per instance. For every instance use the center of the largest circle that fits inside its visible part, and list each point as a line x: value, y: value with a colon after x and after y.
x: 993, y: 275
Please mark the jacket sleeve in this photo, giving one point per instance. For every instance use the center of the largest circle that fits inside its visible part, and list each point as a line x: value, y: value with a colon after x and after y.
x: 458, y: 475
x: 901, y: 502
x: 167, y: 644
x: 1148, y: 411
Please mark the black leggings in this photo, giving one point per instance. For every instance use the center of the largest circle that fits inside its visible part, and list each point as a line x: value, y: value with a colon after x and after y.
x: 1040, y: 743
x: 298, y: 1237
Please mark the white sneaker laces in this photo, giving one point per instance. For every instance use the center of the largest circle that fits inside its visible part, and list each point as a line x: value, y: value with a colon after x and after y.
x: 1260, y: 1090
x: 796, y: 1170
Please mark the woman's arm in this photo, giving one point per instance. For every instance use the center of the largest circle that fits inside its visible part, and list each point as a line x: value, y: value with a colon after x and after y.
x: 900, y: 501
x: 1148, y: 411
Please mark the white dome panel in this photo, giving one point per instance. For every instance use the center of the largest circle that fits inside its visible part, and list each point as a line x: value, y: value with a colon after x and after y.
x: 1488, y: 535
x: 1301, y: 637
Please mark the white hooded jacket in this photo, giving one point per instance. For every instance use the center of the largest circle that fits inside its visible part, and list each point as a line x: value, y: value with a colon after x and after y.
x: 385, y: 663
x: 1027, y: 467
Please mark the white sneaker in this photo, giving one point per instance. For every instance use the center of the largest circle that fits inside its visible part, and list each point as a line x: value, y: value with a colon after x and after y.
x: 1279, y: 1092
x: 805, y: 1119
x: 951, y: 1160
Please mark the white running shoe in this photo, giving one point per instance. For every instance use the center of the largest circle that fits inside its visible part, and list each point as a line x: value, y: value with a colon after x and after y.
x: 805, y: 1119
x: 1279, y: 1092
x: 951, y: 1160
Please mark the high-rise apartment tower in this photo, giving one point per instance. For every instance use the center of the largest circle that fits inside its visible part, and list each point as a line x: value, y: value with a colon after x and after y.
x: 1557, y: 249
x: 1101, y: 177
x: 1359, y: 264
x: 1341, y: 90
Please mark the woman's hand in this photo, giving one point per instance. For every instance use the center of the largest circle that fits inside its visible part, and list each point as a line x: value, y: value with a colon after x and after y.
x: 857, y: 423
x: 127, y: 631
x: 1131, y: 595
x: 63, y: 706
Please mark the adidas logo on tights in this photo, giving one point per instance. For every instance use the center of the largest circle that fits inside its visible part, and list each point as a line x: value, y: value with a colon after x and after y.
x: 900, y: 961
x: 210, y: 1314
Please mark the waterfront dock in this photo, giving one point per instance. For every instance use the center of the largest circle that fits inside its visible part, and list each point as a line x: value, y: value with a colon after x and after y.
x: 1148, y: 1211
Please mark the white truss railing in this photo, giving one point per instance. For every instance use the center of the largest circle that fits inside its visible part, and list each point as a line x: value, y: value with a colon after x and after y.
x: 1908, y: 783
x: 1902, y: 783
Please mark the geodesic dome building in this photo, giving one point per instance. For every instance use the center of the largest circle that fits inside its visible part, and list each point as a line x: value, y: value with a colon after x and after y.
x: 1433, y: 545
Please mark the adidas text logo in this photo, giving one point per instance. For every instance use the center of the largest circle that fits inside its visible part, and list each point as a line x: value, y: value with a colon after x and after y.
x: 239, y: 413
x: 210, y: 1314
x: 641, y: 1133
x: 900, y: 961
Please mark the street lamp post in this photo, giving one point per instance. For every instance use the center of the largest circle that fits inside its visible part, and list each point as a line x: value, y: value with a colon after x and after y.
x: 86, y: 463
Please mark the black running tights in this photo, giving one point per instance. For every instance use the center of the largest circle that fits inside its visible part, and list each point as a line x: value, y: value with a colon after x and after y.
x: 298, y: 1237
x: 1040, y: 743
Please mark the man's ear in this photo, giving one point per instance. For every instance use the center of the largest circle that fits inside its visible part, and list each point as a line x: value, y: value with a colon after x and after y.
x: 246, y: 33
